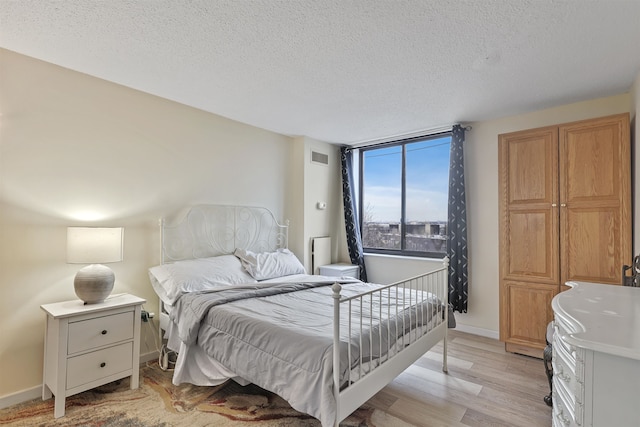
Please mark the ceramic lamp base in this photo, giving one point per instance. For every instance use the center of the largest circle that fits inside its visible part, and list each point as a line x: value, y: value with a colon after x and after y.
x: 94, y: 283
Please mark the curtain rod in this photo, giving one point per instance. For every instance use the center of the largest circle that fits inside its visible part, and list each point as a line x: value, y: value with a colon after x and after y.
x: 402, y: 137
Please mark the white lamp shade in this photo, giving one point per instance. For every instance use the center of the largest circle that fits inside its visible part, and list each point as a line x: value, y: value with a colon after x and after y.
x: 92, y: 245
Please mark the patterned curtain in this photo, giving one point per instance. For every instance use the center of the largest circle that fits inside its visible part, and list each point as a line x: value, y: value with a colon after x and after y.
x: 457, y: 233
x: 354, y: 240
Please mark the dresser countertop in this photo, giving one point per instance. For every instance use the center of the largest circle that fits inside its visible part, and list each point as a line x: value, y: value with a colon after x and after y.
x: 604, y: 318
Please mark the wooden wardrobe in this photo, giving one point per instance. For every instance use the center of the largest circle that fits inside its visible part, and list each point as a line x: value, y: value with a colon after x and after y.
x: 565, y: 214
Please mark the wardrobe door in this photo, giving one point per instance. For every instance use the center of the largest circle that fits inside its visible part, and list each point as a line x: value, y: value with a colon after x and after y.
x: 528, y: 164
x: 529, y: 271
x: 595, y: 199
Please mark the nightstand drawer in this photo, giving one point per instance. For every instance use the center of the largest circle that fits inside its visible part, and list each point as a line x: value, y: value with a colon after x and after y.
x: 100, y: 331
x: 99, y: 364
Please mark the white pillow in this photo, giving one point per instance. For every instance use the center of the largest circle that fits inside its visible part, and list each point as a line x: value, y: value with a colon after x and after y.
x: 268, y: 265
x: 172, y: 280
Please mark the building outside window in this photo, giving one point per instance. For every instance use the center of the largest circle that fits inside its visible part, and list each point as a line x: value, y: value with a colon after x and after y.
x: 403, y: 196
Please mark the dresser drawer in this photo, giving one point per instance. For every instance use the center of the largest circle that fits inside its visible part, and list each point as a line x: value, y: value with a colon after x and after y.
x: 560, y: 345
x: 99, y: 364
x: 566, y: 372
x: 100, y: 331
x: 564, y: 379
x: 563, y: 415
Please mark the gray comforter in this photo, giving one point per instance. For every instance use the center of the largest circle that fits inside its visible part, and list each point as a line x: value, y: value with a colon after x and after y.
x: 280, y: 336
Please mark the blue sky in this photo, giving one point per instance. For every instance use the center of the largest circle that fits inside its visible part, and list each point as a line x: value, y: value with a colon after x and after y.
x: 427, y: 181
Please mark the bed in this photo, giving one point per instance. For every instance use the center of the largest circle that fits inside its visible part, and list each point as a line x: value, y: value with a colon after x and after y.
x: 235, y: 303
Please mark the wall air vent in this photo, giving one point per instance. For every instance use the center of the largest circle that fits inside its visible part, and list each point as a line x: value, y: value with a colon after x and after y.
x: 320, y: 158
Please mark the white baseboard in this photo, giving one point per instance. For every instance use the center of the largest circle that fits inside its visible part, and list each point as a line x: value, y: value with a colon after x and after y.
x: 20, y: 396
x: 477, y: 331
x: 144, y: 358
x: 36, y: 392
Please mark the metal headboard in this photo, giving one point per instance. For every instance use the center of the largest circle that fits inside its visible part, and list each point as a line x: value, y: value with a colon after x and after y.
x: 211, y: 230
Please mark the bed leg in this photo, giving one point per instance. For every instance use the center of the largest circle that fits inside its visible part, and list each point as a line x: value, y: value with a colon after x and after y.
x: 445, y: 263
x: 445, y: 368
x: 336, y: 288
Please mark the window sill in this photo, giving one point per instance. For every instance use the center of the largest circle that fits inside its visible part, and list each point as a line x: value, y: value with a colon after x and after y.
x: 402, y: 257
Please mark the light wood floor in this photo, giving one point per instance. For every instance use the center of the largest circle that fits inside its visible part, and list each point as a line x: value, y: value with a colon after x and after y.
x: 485, y: 386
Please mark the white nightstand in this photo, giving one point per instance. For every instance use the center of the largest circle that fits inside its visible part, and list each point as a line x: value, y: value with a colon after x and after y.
x: 90, y: 345
x: 340, y: 270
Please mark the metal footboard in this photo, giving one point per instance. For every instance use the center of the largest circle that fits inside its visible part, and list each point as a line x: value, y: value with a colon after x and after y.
x: 386, y: 330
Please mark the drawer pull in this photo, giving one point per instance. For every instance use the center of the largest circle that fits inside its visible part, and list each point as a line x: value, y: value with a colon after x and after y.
x: 104, y: 332
x: 102, y: 365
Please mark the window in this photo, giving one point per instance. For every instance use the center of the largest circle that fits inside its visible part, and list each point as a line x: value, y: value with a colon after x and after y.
x: 404, y: 196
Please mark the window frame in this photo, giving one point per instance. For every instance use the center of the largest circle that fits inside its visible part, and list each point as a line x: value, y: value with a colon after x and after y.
x: 403, y: 203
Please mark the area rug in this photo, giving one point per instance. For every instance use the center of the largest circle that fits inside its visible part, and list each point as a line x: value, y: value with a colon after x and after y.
x: 158, y: 403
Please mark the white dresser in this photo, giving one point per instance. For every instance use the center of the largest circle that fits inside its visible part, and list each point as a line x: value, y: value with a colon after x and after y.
x: 87, y: 345
x: 596, y: 356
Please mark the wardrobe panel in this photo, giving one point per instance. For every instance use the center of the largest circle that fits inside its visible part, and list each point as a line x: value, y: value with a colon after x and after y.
x: 531, y: 232
x: 591, y: 245
x: 526, y: 307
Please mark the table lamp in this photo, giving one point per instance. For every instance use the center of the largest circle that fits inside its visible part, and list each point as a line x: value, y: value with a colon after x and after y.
x: 94, y: 246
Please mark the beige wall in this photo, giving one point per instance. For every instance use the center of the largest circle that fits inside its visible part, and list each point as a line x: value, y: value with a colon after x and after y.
x: 72, y: 145
x: 321, y: 184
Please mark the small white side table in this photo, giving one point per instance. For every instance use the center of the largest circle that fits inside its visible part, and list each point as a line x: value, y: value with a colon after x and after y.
x: 340, y: 270
x: 90, y: 345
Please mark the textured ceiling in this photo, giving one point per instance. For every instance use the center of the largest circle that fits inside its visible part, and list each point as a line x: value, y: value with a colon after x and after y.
x: 342, y: 71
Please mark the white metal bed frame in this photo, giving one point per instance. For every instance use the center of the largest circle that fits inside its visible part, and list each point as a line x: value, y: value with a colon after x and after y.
x: 211, y: 230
